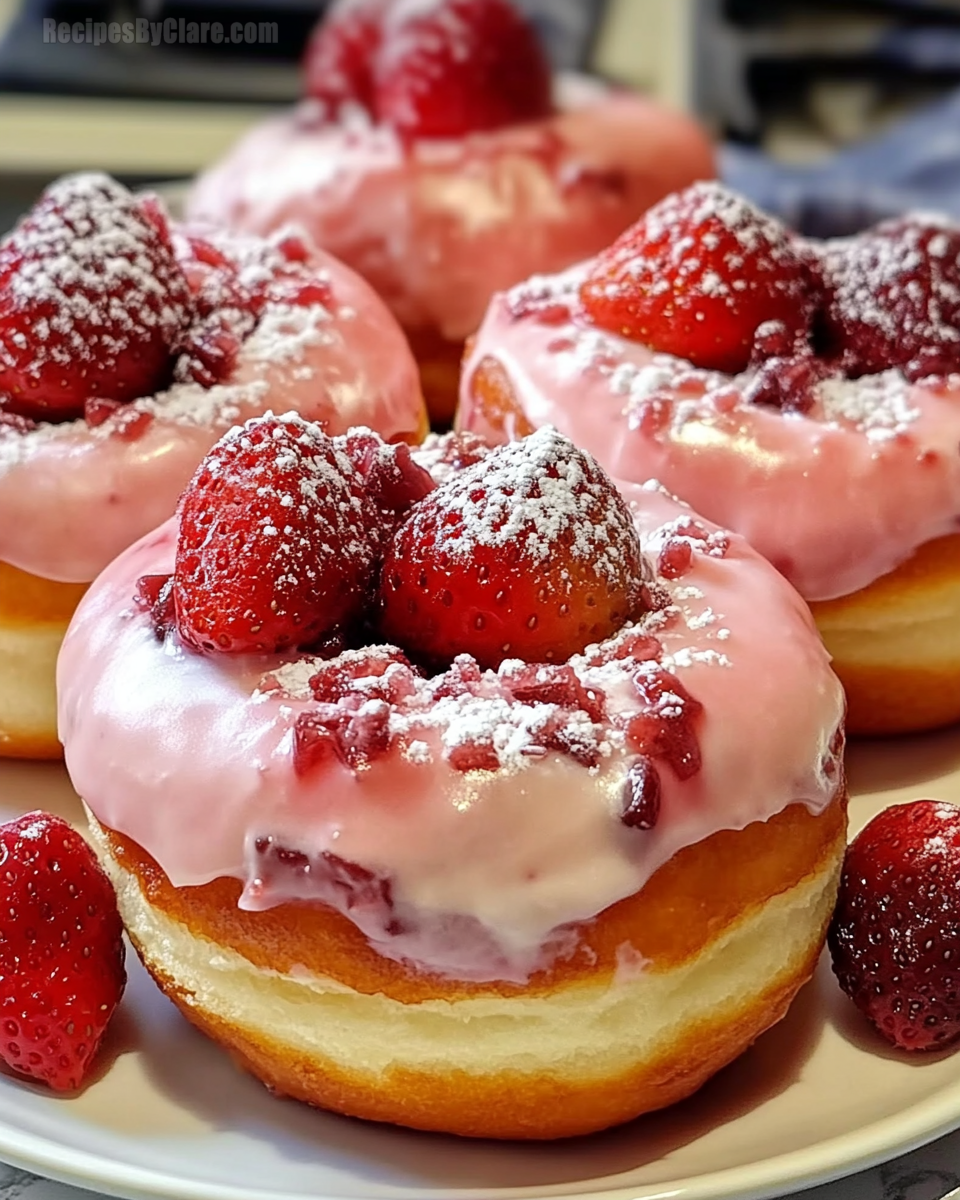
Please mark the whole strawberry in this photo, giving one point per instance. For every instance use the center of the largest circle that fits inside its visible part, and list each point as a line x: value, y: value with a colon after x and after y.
x: 531, y: 553
x: 61, y: 951
x: 278, y: 540
x: 92, y: 301
x: 895, y: 936
x: 893, y: 297
x: 455, y: 67
x: 338, y: 62
x: 697, y: 276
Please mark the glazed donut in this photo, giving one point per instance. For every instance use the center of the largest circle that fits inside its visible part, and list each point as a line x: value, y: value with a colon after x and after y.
x: 534, y: 907
x: 437, y: 224
x: 833, y: 452
x: 256, y: 325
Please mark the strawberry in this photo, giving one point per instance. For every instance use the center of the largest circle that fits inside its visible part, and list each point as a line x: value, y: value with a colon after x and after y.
x: 698, y: 275
x: 895, y: 936
x: 893, y: 296
x: 278, y: 540
x: 391, y: 477
x: 61, y: 951
x: 454, y: 67
x: 92, y: 301
x: 338, y: 62
x: 531, y: 553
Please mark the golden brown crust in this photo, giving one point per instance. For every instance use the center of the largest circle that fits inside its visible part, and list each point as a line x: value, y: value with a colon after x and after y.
x: 34, y: 615
x: 506, y: 1104
x: 896, y: 643
x: 702, y: 891
x: 439, y: 362
x: 31, y: 600
x: 495, y: 400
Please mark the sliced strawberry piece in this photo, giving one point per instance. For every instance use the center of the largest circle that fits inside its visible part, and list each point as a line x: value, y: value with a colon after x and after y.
x: 698, y: 275
x: 893, y: 295
x: 531, y: 554
x: 338, y: 62
x: 455, y: 67
x: 394, y: 481
x: 92, y: 301
x: 278, y: 540
x: 895, y: 936
x: 61, y: 951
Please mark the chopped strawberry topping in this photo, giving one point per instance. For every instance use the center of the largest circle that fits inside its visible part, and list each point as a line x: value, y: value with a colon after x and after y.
x: 665, y: 726
x: 92, y: 301
x: 355, y: 734
x: 339, y: 59
x: 455, y: 67
x: 391, y: 477
x: 547, y: 683
x: 894, y: 295
x: 895, y: 936
x: 443, y: 455
x: 155, y: 596
x: 278, y: 541
x: 698, y: 275
x: 61, y: 951
x: 641, y: 795
x: 529, y: 554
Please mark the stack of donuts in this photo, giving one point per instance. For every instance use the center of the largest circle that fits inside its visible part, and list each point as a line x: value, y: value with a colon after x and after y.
x: 425, y: 768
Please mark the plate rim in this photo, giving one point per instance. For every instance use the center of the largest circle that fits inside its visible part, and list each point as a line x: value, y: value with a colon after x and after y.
x: 824, y: 1162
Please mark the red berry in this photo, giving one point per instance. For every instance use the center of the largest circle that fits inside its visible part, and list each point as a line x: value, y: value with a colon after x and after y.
x: 665, y: 725
x: 895, y: 936
x: 338, y: 62
x: 698, y: 275
x: 92, y: 301
x: 531, y: 554
x: 61, y: 951
x: 640, y: 795
x: 894, y: 295
x: 277, y: 542
x: 454, y: 67
x: 390, y: 476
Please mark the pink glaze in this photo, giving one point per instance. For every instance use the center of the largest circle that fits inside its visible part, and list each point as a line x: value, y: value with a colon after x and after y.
x: 73, y: 496
x: 834, y: 498
x: 191, y: 756
x: 439, y: 228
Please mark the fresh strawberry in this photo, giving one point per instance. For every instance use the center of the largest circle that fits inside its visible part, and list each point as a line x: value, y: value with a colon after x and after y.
x: 895, y: 936
x: 92, y: 301
x: 698, y: 275
x: 893, y: 296
x: 338, y: 62
x: 278, y: 540
x: 531, y: 553
x: 390, y: 476
x: 61, y: 951
x: 454, y: 67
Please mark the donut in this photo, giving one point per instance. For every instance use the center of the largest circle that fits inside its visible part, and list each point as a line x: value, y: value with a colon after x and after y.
x: 803, y: 394
x: 438, y: 214
x: 111, y: 393
x: 525, y: 900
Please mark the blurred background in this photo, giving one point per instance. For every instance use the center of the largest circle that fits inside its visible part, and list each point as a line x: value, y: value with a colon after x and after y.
x: 805, y: 94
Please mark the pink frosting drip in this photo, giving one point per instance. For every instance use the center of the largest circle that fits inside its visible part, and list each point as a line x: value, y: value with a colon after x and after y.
x: 834, y: 498
x: 73, y: 496
x: 191, y: 756
x: 438, y: 229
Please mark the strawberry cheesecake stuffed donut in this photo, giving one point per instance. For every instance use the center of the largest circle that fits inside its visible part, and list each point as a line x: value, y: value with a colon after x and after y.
x: 805, y: 394
x: 127, y: 347
x: 441, y: 803
x: 435, y: 156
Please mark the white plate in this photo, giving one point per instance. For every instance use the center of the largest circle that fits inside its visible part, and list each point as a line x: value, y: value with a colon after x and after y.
x: 816, y: 1098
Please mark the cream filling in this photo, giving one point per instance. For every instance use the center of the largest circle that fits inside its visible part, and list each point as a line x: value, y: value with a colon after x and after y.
x: 587, y: 1031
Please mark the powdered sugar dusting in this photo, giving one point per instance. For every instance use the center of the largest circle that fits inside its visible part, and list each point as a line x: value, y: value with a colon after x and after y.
x: 537, y: 494
x: 880, y: 406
